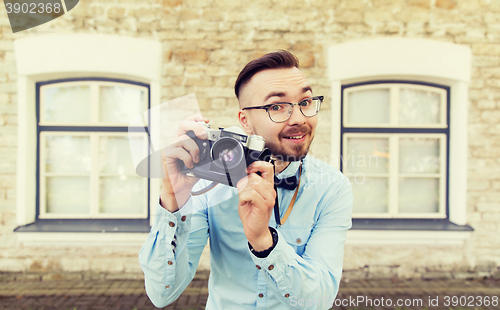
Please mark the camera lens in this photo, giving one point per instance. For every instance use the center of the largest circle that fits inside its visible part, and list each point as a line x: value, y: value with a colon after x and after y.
x: 228, y: 155
x: 228, y: 150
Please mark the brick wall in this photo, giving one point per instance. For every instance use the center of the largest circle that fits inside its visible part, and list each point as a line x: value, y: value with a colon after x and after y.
x: 206, y: 43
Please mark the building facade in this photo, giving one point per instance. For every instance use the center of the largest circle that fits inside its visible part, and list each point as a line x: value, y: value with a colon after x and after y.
x: 411, y: 113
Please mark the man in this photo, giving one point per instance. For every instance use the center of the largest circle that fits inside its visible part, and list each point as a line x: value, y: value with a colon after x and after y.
x: 258, y: 259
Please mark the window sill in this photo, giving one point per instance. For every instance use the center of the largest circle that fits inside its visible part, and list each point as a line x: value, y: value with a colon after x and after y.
x: 73, y: 232
x: 408, y: 224
x: 88, y: 225
x: 407, y: 232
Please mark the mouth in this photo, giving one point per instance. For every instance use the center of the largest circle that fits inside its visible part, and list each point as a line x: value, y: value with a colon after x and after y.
x: 295, y: 138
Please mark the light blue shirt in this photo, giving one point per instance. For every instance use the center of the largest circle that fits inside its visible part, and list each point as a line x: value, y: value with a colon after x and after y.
x: 303, y: 271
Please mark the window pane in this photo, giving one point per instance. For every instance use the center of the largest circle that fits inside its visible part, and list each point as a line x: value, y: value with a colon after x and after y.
x: 419, y: 155
x: 419, y: 106
x: 418, y: 195
x: 122, y: 195
x: 67, y: 195
x: 371, y: 106
x: 67, y: 154
x: 115, y: 156
x: 69, y: 104
x: 120, y: 104
x: 366, y: 155
x: 371, y: 195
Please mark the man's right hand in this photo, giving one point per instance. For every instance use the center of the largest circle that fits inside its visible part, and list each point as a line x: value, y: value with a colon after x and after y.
x: 176, y: 186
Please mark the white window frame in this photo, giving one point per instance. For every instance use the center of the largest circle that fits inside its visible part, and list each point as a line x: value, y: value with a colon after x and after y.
x: 51, y: 57
x: 394, y: 105
x: 410, y: 59
x: 94, y: 102
x: 393, y: 174
x: 93, y: 175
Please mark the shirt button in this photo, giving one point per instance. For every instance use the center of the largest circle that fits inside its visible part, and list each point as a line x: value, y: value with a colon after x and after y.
x: 171, y: 224
x: 258, y: 267
x: 271, y: 267
x: 261, y: 295
x: 183, y: 218
x: 287, y: 295
x: 298, y: 240
x: 170, y: 262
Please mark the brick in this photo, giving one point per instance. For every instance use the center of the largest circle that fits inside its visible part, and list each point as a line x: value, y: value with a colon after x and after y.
x: 446, y: 4
x: 437, y: 275
x: 492, y: 117
x: 12, y: 264
x: 191, y: 55
x: 171, y: 3
x: 488, y: 207
x: 218, y: 103
x: 61, y: 276
x: 486, y: 49
x: 478, y: 185
x: 348, y: 16
x: 380, y: 3
x: 424, y: 4
x: 492, y: 216
x: 378, y: 16
x: 75, y: 264
x: 486, y: 104
x: 116, y: 12
x: 412, y: 15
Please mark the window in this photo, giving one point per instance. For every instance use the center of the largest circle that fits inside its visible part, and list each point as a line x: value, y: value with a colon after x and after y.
x: 85, y: 165
x: 72, y: 94
x: 402, y: 105
x: 394, y: 141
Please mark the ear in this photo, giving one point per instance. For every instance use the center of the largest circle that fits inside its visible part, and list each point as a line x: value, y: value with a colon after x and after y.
x: 245, y: 122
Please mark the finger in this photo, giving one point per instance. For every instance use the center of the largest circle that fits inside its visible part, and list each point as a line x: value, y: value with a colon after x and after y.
x: 173, y: 153
x: 198, y: 118
x: 266, y: 170
x: 253, y: 182
x: 262, y: 187
x: 190, y: 146
x: 252, y: 197
x: 197, y: 128
x: 242, y: 184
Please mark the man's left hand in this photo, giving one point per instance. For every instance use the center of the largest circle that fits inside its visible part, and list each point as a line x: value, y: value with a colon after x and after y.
x: 255, y: 207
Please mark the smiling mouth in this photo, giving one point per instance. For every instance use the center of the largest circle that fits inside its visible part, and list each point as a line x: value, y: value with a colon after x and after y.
x: 295, y: 137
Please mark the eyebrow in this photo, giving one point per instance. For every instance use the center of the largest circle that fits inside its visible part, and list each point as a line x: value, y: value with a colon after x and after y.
x: 282, y: 94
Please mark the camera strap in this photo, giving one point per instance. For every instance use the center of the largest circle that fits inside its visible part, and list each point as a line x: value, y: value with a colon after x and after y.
x: 281, y: 221
x: 204, y: 190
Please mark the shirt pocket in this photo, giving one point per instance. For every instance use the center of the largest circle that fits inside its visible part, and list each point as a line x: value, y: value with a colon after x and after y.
x: 296, y: 237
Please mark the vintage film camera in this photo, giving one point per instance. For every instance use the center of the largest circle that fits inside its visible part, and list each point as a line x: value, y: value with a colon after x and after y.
x: 225, y: 154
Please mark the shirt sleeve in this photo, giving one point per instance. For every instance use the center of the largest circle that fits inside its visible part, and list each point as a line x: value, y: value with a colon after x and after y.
x: 167, y: 272
x: 316, y: 274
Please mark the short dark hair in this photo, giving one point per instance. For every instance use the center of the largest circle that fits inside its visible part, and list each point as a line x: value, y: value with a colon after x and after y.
x: 279, y: 59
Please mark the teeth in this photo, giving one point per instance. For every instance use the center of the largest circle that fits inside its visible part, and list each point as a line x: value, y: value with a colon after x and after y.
x: 297, y: 137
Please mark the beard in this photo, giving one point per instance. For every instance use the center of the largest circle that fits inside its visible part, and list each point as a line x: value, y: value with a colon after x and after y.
x: 295, y: 152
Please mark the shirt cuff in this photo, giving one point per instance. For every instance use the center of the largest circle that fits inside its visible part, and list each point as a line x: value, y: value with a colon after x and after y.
x: 275, y: 263
x: 265, y: 253
x: 175, y: 223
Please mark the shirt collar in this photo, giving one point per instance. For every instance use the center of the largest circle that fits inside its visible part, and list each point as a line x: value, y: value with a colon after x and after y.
x: 290, y: 170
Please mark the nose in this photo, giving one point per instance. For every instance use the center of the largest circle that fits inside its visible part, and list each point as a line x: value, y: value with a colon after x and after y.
x: 296, y: 118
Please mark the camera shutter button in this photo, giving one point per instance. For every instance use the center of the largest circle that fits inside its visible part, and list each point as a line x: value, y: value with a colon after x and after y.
x: 203, y: 150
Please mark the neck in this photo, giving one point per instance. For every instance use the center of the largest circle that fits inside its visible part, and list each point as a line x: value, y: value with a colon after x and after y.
x: 280, y: 165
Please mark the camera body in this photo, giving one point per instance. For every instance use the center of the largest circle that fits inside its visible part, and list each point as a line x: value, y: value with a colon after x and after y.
x: 225, y: 154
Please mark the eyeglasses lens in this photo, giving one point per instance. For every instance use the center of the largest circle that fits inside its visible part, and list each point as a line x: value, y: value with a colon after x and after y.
x: 281, y: 112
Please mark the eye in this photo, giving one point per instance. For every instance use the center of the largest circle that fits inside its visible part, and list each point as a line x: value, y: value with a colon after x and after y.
x: 277, y: 107
x: 306, y: 103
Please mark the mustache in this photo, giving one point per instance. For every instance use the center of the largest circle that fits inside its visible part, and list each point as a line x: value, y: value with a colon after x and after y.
x: 295, y: 130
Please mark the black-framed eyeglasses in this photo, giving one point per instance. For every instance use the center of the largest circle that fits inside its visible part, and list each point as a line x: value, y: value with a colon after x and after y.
x: 281, y: 111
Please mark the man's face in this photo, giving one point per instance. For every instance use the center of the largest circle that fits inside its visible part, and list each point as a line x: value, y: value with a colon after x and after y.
x: 289, y: 140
